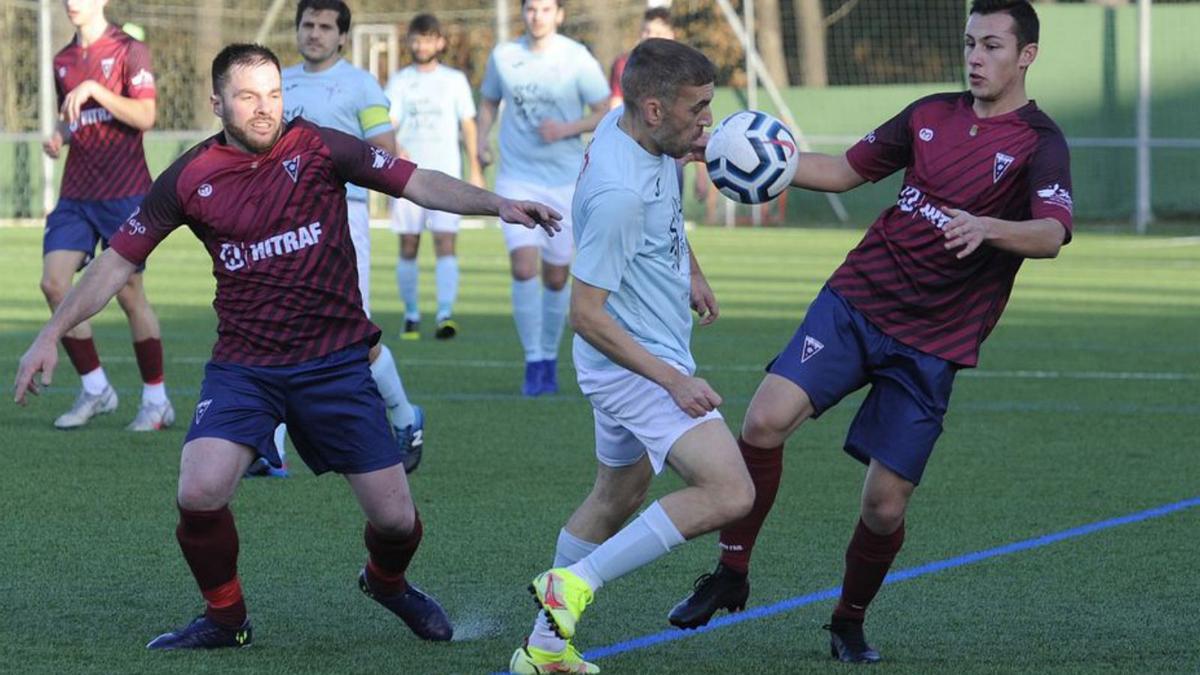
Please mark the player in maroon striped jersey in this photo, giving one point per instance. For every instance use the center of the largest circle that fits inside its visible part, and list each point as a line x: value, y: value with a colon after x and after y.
x: 106, y: 97
x: 987, y: 184
x: 268, y: 202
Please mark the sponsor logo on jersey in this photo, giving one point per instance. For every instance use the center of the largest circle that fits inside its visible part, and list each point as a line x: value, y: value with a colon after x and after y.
x: 292, y: 167
x: 205, y: 190
x: 926, y: 134
x: 811, y: 347
x: 89, y: 117
x: 380, y: 159
x: 133, y: 225
x: 288, y: 242
x: 201, y: 407
x: 143, y: 78
x: 1058, y: 196
x: 913, y: 200
x: 1001, y: 164
x: 231, y: 255
x: 106, y: 66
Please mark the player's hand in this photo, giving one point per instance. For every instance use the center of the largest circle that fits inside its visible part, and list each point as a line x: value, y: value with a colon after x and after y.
x: 484, y: 153
x: 693, y: 395
x: 964, y: 231
x: 42, y: 357
x: 704, y: 301
x: 53, y: 146
x: 531, y: 215
x: 73, y: 102
x: 553, y: 130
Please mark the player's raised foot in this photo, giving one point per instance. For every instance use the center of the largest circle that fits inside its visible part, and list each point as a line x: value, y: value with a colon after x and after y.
x: 848, y: 644
x: 411, y: 440
x: 529, y: 660
x: 202, y: 633
x: 724, y: 588
x: 549, y: 376
x: 447, y: 328
x: 412, y: 330
x: 420, y: 612
x: 86, y: 407
x: 564, y: 596
x: 261, y: 468
x: 532, y: 386
x: 152, y: 417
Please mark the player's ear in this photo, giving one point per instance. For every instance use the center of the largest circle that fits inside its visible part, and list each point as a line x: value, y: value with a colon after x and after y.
x: 441, y: 44
x: 1028, y: 54
x: 217, y: 107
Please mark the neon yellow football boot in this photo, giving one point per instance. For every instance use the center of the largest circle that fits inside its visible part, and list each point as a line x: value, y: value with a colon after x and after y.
x: 533, y: 661
x: 564, y: 596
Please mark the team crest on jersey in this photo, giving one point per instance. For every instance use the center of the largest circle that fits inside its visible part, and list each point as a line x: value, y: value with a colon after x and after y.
x: 1001, y: 164
x: 811, y: 347
x: 204, y: 190
x: 201, y: 407
x: 926, y: 134
x: 292, y: 167
x: 231, y: 255
x: 106, y: 66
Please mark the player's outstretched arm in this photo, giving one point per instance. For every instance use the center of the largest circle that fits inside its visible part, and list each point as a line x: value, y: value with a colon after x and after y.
x: 825, y: 173
x: 589, y: 320
x: 435, y: 190
x: 105, y: 276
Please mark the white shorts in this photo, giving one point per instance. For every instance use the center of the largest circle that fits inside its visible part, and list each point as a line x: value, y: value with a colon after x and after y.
x: 408, y: 218
x: 634, y: 417
x: 556, y: 250
x: 360, y: 236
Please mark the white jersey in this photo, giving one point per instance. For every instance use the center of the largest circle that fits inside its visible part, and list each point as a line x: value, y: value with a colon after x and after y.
x: 630, y: 241
x: 427, y: 110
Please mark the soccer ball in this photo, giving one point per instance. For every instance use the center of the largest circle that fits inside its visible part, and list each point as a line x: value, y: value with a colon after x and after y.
x: 751, y: 157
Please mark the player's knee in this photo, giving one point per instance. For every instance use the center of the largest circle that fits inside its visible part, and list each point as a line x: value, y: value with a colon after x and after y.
x: 734, y: 499
x: 396, y: 523
x: 197, y: 497
x: 765, y: 428
x: 883, y: 513
x: 55, y: 289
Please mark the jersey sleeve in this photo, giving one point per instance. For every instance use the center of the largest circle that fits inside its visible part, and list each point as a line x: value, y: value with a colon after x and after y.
x: 885, y: 150
x: 361, y: 163
x: 1050, y: 182
x: 466, y: 102
x: 373, y: 113
x: 491, y: 89
x: 593, y: 86
x: 157, y: 216
x: 613, y: 222
x: 139, y: 76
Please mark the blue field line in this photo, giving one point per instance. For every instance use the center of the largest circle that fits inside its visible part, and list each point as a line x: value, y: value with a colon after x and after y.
x: 900, y: 575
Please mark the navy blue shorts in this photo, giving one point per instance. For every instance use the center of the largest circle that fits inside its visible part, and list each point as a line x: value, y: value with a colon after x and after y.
x: 335, y: 415
x: 836, y: 352
x: 79, y: 224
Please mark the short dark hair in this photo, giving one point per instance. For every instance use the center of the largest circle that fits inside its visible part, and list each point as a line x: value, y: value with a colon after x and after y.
x: 558, y: 3
x: 424, y: 24
x: 343, y: 10
x: 657, y: 68
x: 1025, y: 19
x: 240, y: 55
x: 658, y: 14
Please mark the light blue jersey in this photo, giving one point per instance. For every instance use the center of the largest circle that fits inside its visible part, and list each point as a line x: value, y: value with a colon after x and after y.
x: 340, y: 97
x: 428, y: 108
x: 556, y: 83
x: 630, y: 241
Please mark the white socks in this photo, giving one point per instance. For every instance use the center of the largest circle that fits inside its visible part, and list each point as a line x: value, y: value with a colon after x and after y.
x: 387, y: 378
x: 95, y: 382
x: 646, y: 539
x: 555, y: 305
x: 447, y: 285
x: 407, y: 282
x: 527, y: 313
x: 154, y: 394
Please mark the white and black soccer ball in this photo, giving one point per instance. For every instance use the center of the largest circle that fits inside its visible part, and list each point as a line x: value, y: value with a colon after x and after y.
x: 751, y: 157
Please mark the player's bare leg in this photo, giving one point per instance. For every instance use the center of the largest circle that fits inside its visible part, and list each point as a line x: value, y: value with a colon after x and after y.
x: 209, y: 470
x: 392, y: 535
x: 156, y: 411
x: 616, y: 495
x: 778, y: 408
x: 876, y: 541
x: 527, y: 314
x: 408, y: 281
x: 446, y: 277
x: 556, y: 301
x: 96, y: 396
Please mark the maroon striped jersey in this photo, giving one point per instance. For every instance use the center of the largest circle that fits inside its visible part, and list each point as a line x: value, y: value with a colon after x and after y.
x: 106, y: 159
x: 275, y: 226
x: 900, y: 276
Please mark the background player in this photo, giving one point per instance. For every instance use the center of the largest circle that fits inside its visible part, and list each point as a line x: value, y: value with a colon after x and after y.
x: 656, y: 23
x: 106, y: 101
x: 634, y: 276
x: 546, y: 80
x: 328, y: 91
x: 431, y: 103
x: 987, y: 184
x: 292, y: 332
